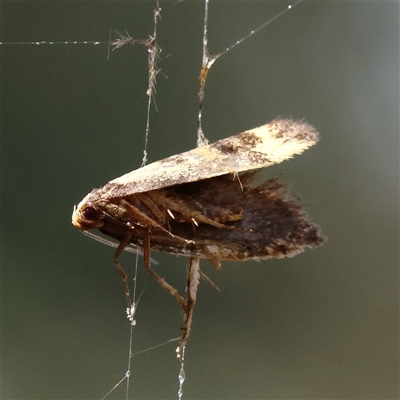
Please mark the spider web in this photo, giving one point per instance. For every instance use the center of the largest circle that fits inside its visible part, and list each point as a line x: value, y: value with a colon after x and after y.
x: 123, y: 39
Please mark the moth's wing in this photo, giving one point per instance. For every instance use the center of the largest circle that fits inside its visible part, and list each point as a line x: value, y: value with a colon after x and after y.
x: 253, y: 149
x: 257, y: 219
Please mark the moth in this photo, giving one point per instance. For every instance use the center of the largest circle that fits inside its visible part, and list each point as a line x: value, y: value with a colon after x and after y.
x: 208, y: 203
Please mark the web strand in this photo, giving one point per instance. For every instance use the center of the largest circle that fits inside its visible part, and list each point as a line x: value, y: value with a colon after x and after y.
x: 153, y: 56
x: 44, y: 42
x: 209, y: 59
x: 153, y: 71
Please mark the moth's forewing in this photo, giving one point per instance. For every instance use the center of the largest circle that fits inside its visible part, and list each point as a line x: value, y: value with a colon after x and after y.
x: 190, y: 203
x: 253, y: 149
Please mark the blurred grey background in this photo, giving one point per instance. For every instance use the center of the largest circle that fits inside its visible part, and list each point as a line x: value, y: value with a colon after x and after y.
x: 322, y: 325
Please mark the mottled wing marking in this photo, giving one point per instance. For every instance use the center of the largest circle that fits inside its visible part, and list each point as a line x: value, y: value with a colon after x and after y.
x: 253, y: 149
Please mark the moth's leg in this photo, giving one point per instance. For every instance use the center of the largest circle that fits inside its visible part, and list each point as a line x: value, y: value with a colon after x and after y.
x: 236, y: 176
x: 145, y: 220
x: 161, y: 281
x: 152, y: 205
x: 121, y: 271
x: 208, y: 279
x: 193, y: 280
x: 140, y: 217
x: 214, y: 262
x: 194, y: 216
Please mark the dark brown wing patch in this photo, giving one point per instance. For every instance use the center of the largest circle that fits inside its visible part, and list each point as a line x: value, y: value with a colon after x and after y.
x: 220, y: 218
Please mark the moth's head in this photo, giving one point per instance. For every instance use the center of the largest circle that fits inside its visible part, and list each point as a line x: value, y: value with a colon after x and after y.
x: 87, y: 216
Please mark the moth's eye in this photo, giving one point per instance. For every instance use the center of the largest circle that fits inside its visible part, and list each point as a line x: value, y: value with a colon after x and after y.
x: 91, y: 214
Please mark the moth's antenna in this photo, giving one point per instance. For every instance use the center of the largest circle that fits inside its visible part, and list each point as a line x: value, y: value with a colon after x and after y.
x: 129, y: 248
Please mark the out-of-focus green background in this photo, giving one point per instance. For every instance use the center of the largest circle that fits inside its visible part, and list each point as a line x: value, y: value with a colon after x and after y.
x: 321, y: 325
